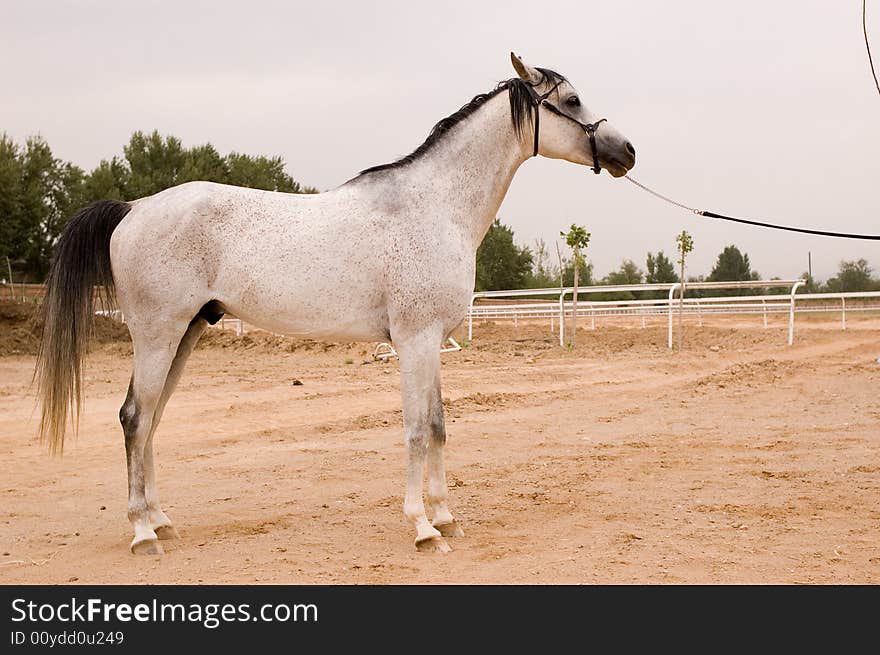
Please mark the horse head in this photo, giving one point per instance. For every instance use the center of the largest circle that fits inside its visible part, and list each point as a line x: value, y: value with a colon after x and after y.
x: 565, y: 128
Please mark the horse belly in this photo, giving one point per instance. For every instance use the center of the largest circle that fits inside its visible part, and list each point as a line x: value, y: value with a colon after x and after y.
x: 326, y: 312
x: 326, y: 327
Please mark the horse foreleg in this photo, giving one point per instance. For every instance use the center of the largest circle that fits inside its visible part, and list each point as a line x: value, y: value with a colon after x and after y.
x: 438, y: 492
x: 419, y: 377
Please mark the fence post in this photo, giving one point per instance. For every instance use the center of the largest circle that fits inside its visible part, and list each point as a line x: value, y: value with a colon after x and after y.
x: 794, y: 289
x: 562, y: 318
x: 764, y: 309
x: 471, y: 318
x: 843, y: 313
x: 669, y: 311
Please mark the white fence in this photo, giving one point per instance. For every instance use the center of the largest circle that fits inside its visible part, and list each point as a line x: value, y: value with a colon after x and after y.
x: 557, y: 311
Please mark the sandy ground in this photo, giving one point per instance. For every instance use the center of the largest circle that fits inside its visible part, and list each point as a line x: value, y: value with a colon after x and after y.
x: 617, y: 462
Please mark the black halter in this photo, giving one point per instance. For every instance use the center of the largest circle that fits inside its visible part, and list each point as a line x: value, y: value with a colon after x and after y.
x: 589, y: 128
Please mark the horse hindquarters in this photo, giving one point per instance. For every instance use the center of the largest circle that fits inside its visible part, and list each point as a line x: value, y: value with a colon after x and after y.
x: 161, y: 287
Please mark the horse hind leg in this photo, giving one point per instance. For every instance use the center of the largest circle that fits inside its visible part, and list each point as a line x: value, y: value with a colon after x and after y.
x: 155, y: 353
x: 159, y: 520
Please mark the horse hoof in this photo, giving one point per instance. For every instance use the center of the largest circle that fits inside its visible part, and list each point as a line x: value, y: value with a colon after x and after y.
x: 450, y: 529
x: 167, y: 532
x: 147, y: 547
x: 433, y: 545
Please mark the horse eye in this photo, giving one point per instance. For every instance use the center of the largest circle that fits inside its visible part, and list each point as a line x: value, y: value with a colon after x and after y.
x: 573, y: 101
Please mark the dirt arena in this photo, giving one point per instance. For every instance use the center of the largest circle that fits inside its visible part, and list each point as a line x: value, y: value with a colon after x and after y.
x: 740, y: 460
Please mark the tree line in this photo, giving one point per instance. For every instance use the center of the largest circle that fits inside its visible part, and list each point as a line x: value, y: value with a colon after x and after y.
x: 504, y: 264
x: 39, y: 192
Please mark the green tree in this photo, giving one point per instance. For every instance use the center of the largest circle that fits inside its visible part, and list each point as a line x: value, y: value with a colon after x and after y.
x: 628, y: 273
x: 262, y: 173
x: 660, y: 269
x: 203, y: 163
x: 154, y: 163
x: 811, y: 286
x: 577, y: 238
x: 37, y: 193
x: 585, y: 272
x: 13, y: 225
x: 109, y: 180
x: 544, y: 274
x: 501, y: 264
x: 852, y: 276
x: 685, y: 244
x: 732, y: 266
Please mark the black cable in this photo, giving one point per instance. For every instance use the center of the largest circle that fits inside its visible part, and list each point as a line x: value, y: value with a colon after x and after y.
x: 787, y: 228
x: 868, y: 47
x: 803, y: 230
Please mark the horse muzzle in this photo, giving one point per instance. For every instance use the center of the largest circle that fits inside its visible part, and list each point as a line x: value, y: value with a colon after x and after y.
x: 620, y: 161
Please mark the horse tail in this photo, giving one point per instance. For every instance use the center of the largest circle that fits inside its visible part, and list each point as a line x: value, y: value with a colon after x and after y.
x: 82, y: 262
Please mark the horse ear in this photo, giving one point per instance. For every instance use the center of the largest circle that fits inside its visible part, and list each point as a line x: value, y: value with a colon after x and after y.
x: 526, y: 72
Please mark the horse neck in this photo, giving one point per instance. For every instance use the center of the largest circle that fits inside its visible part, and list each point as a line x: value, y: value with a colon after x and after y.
x: 470, y: 169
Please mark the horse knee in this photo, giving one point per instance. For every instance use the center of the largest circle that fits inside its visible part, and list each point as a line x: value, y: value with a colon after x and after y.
x: 417, y: 441
x: 438, y: 427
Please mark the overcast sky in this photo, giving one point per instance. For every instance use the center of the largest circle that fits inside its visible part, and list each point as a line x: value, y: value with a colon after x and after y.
x: 753, y: 108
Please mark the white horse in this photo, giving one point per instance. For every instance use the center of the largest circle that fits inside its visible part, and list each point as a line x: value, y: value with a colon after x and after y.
x: 400, y: 239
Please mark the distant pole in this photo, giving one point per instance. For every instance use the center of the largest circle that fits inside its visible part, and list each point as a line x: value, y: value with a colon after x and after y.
x: 810, y: 267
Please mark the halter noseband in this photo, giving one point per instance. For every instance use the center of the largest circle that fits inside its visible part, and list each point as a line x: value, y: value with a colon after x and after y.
x: 589, y: 128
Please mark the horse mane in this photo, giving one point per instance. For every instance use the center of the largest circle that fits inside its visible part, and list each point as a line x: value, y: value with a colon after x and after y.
x: 520, y: 115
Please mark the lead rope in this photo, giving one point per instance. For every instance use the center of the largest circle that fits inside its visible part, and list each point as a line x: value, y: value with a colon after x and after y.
x: 787, y: 228
x: 823, y: 233
x: 868, y: 47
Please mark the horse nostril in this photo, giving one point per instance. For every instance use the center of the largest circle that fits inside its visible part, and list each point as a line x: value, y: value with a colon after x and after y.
x: 630, y: 149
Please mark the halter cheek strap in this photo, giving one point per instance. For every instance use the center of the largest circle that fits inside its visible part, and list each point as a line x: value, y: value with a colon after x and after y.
x: 590, y: 128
